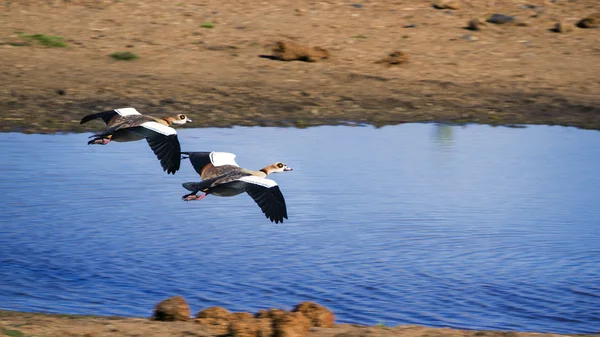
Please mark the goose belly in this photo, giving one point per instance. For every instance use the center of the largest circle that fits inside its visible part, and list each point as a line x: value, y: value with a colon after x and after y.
x: 125, y: 136
x: 223, y: 191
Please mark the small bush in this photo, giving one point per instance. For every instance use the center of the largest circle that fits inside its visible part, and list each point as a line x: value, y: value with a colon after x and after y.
x: 46, y: 40
x: 13, y: 333
x: 207, y: 24
x: 123, y: 56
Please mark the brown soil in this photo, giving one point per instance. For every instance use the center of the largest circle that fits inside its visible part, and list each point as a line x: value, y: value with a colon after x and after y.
x: 520, y: 72
x: 45, y: 325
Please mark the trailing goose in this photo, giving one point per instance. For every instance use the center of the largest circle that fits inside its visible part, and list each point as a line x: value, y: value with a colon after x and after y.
x: 127, y: 124
x: 221, y: 176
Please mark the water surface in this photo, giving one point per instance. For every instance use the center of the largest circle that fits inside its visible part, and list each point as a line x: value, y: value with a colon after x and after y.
x: 468, y: 227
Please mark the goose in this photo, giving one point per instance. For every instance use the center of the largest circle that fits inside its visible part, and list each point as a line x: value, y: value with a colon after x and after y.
x: 127, y: 124
x: 222, y: 176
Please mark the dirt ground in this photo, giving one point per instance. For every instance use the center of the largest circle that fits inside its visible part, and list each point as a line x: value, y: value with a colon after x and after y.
x: 44, y: 325
x: 209, y: 59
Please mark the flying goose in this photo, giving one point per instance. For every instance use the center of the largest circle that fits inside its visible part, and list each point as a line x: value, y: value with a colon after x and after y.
x: 221, y: 176
x: 127, y: 124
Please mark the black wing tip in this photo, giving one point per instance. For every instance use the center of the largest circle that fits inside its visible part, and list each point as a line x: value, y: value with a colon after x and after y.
x: 97, y: 115
x: 276, y: 219
x: 172, y: 165
x: 270, y: 201
x: 167, y: 151
x: 87, y: 118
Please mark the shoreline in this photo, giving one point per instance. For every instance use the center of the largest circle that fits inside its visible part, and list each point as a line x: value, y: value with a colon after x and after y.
x: 493, y: 109
x: 18, y: 323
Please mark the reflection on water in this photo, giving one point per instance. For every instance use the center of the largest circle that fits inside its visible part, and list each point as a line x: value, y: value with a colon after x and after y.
x: 497, y: 228
x: 443, y: 134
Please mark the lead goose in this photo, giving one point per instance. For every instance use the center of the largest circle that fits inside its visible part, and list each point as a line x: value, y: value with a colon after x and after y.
x: 221, y: 176
x: 127, y: 124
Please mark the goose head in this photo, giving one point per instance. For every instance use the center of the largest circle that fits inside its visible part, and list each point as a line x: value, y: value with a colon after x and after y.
x: 181, y: 119
x: 278, y: 167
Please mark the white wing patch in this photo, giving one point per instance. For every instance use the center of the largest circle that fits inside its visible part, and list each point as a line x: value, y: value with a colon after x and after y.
x: 268, y: 183
x: 127, y: 112
x: 157, y: 127
x: 222, y: 158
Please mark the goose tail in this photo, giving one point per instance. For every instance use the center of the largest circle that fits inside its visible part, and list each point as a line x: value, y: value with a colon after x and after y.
x: 192, y: 187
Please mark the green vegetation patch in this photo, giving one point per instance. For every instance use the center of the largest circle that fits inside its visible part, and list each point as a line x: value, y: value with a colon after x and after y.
x: 382, y: 325
x: 207, y: 24
x: 14, y: 333
x: 123, y: 56
x: 359, y: 37
x: 45, y: 40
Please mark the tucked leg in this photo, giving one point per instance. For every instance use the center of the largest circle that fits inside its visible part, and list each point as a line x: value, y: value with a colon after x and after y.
x: 101, y: 141
x: 193, y: 196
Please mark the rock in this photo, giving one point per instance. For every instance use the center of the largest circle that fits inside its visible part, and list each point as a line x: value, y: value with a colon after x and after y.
x: 291, y: 51
x: 469, y: 37
x: 218, y: 326
x: 219, y: 319
x: 271, y: 313
x: 241, y: 316
x: 592, y: 21
x: 561, y: 27
x: 172, y: 309
x: 265, y: 327
x: 291, y: 324
x: 446, y: 4
x: 243, y: 328
x: 219, y: 47
x: 474, y: 25
x: 251, y: 327
x: 394, y: 58
x: 501, y: 19
x: 219, y: 313
x: 318, y: 315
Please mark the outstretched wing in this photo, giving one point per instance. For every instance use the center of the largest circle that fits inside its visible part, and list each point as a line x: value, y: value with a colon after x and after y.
x: 164, y: 143
x: 267, y: 195
x: 222, y: 159
x: 107, y: 116
x: 199, y: 160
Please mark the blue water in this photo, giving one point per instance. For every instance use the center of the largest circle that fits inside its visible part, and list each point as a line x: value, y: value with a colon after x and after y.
x: 467, y: 227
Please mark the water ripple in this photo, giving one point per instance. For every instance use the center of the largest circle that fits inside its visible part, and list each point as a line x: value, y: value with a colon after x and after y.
x: 497, y: 229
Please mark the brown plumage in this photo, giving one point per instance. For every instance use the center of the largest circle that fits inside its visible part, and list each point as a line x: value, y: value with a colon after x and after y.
x: 221, y: 176
x: 126, y: 125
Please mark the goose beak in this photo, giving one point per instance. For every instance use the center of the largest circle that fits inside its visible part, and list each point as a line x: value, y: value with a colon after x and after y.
x: 189, y: 120
x: 287, y: 169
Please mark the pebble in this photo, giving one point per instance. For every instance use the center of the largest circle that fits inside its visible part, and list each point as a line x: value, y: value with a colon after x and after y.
x: 561, y: 27
x: 469, y: 37
x: 592, y: 21
x: 474, y: 25
x: 500, y: 19
x: 446, y: 4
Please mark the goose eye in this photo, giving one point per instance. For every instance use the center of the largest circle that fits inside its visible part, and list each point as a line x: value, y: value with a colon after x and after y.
x: 181, y: 116
x: 280, y: 165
